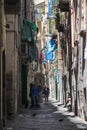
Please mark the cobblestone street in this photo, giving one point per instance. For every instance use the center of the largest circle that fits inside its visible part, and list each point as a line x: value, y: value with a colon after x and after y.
x: 51, y: 116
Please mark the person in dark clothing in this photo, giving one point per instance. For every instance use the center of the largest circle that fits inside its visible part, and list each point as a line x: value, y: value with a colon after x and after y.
x: 46, y: 93
x: 35, y: 95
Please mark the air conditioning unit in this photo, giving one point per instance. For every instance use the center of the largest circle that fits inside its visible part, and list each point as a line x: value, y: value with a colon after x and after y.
x: 24, y: 50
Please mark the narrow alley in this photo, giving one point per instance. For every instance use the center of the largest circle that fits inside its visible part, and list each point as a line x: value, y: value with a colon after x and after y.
x: 51, y: 116
x: 43, y: 54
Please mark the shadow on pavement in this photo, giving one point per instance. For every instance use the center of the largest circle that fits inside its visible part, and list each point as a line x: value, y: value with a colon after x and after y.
x: 50, y: 116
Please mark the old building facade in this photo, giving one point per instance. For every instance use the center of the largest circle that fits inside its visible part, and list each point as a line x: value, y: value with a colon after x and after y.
x: 79, y: 28
x: 25, y: 30
x: 74, y: 48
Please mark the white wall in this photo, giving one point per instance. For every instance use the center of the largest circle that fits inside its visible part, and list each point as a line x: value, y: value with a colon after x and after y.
x: 36, y: 2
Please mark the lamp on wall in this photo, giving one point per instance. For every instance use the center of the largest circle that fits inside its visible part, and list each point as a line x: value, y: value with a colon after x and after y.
x: 7, y: 26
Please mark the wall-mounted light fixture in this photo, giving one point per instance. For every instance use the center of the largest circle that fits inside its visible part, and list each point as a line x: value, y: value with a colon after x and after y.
x: 7, y: 26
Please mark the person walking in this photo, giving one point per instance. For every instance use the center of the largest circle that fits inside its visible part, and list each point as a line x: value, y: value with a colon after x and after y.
x: 46, y: 93
x: 35, y: 95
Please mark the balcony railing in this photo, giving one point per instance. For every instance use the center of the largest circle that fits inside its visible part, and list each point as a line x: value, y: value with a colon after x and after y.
x: 64, y: 5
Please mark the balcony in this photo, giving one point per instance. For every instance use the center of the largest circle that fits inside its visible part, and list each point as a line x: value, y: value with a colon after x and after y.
x: 12, y: 6
x: 64, y: 5
x: 60, y: 28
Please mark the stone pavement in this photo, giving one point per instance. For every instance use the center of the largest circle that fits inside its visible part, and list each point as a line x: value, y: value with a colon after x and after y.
x: 51, y: 116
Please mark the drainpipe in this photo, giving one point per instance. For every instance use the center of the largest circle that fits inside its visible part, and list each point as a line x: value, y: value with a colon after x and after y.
x: 1, y: 43
x: 70, y: 59
x: 76, y: 106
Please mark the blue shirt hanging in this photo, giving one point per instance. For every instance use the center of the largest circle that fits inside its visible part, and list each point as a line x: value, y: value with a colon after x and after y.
x: 51, y: 45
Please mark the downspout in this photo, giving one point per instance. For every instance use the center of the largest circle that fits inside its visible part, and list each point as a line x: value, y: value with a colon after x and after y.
x: 1, y: 43
x: 70, y: 59
x: 76, y: 106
